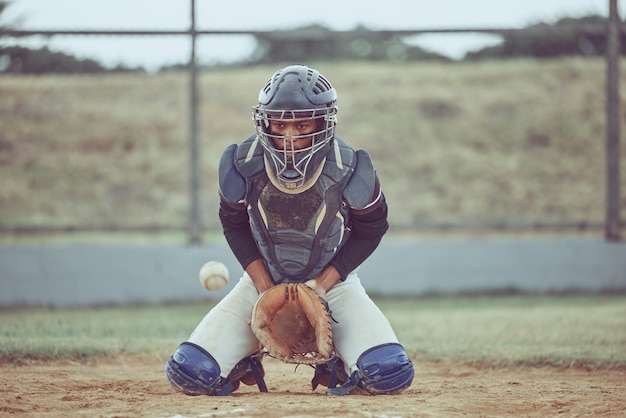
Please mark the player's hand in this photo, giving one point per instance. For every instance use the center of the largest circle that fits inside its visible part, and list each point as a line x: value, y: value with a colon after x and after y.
x: 260, y: 276
x: 324, y: 281
x: 313, y: 284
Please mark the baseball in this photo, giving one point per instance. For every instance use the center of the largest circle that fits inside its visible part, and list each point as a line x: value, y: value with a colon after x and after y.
x: 213, y: 275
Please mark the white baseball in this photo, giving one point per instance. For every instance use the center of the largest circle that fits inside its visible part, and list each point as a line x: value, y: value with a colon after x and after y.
x: 213, y: 275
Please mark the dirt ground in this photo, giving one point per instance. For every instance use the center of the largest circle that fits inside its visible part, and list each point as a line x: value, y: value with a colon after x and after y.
x: 130, y: 386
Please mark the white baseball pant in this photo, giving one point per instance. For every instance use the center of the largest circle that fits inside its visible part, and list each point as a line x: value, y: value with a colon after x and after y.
x: 224, y: 331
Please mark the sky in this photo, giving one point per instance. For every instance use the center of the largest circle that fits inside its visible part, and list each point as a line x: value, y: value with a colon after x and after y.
x: 153, y: 52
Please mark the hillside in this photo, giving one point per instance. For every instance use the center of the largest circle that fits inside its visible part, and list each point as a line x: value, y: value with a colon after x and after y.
x: 517, y: 141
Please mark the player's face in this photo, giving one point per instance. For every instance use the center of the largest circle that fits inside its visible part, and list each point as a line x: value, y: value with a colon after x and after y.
x: 294, y: 135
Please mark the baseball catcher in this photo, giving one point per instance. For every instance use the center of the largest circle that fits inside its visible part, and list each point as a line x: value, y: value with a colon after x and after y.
x: 300, y: 210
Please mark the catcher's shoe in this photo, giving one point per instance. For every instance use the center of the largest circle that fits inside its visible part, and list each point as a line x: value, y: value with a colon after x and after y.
x: 249, y: 371
x: 331, y: 375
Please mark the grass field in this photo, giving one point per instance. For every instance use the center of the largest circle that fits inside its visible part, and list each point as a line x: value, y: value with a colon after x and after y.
x: 516, y: 141
x: 575, y: 330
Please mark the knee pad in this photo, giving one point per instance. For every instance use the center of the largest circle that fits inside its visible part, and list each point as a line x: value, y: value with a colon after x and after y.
x: 385, y: 368
x: 193, y: 371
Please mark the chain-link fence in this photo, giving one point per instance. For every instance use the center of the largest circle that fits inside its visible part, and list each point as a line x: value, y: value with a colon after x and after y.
x: 516, y: 144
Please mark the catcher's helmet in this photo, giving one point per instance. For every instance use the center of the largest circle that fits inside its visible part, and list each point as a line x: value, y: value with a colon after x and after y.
x: 291, y: 94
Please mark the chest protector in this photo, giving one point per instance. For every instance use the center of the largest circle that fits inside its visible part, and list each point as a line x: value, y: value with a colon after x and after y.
x: 297, y: 233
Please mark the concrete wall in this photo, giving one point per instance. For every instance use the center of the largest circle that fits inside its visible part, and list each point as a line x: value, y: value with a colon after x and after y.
x: 88, y: 275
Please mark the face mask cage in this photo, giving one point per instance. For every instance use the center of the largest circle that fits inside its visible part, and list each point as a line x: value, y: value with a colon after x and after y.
x: 291, y: 165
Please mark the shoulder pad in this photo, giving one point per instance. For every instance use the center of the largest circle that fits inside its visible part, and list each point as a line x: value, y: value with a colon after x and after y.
x: 342, y: 153
x: 360, y: 190
x: 340, y: 160
x: 249, y: 157
x: 231, y: 183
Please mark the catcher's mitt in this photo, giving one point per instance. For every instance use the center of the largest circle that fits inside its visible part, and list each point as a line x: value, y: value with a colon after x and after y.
x: 292, y: 322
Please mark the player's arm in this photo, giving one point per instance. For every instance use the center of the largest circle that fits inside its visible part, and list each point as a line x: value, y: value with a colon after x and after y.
x: 367, y: 232
x: 239, y: 237
x: 235, y: 223
x: 368, y: 216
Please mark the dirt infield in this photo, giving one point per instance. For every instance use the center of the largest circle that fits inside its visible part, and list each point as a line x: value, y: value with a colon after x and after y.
x: 130, y: 386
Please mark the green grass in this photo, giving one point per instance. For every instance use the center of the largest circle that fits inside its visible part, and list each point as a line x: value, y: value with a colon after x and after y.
x: 579, y: 330
x: 533, y: 330
x: 88, y: 333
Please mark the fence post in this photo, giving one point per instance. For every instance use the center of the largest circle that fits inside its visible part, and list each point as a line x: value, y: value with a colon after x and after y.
x: 194, y: 221
x: 613, y: 222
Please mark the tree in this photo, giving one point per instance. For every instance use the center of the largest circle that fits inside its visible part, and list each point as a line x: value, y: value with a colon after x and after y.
x: 17, y: 59
x: 316, y: 42
x: 4, y: 5
x: 568, y: 36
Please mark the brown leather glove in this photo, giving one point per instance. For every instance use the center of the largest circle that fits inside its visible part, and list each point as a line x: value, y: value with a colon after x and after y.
x: 292, y: 322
